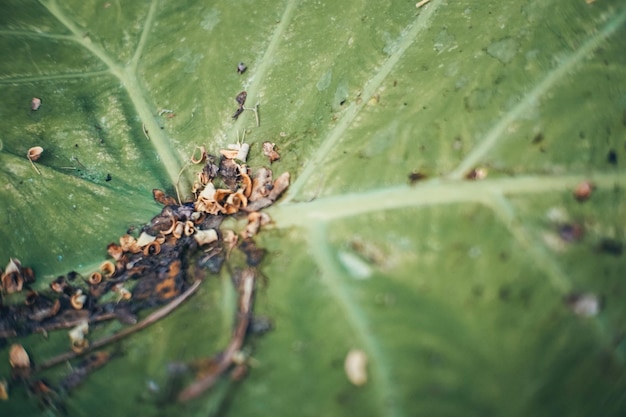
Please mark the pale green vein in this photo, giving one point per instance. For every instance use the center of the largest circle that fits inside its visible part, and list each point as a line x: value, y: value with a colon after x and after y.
x: 333, y: 280
x: 168, y: 156
x: 28, y: 34
x: 542, y: 259
x: 52, y: 77
x: 498, y: 133
x: 134, y: 62
x: 428, y: 194
x: 410, y: 34
x: 80, y: 37
x: 270, y: 53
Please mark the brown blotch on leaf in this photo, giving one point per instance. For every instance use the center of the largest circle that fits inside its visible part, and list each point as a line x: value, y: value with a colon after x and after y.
x: 254, y: 254
x: 583, y: 191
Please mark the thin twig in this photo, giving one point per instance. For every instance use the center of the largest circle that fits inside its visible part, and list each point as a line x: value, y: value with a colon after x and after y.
x: 255, y: 109
x: 145, y: 131
x: 178, y: 181
x: 151, y: 319
x: 34, y: 167
x: 225, y: 359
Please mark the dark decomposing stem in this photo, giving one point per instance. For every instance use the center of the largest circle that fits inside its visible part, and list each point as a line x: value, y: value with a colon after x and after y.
x: 151, y: 319
x: 225, y: 359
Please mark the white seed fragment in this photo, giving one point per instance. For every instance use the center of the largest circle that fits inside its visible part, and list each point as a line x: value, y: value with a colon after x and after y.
x: 145, y: 239
x: 355, y: 366
x: 584, y: 305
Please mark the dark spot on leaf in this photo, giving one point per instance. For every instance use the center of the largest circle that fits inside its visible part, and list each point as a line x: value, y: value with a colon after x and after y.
x: 504, y: 293
x: 611, y: 157
x: 611, y: 246
x: 416, y: 176
x: 237, y: 113
x: 571, y: 232
x: 538, y: 138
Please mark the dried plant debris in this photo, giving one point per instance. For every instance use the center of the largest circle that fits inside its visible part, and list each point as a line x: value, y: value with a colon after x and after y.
x: 35, y: 103
x: 159, y: 264
x: 269, y: 150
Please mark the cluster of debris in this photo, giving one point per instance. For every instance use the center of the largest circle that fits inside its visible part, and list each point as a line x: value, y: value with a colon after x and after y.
x: 160, y: 264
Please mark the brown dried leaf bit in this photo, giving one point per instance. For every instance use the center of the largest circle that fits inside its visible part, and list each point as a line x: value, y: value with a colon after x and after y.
x: 18, y: 358
x: 162, y: 198
x: 270, y: 152
x: 15, y: 276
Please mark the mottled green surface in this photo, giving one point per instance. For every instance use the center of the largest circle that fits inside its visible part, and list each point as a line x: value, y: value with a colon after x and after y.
x: 453, y: 288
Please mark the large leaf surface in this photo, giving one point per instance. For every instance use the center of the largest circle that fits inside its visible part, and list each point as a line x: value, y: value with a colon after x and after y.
x: 453, y: 288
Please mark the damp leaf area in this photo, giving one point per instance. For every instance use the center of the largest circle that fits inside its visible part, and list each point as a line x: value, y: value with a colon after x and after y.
x: 435, y: 220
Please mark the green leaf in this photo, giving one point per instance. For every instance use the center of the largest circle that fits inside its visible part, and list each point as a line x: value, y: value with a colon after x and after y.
x: 455, y: 289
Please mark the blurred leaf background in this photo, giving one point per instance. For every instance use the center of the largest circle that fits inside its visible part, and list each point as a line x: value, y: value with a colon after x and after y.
x: 454, y: 288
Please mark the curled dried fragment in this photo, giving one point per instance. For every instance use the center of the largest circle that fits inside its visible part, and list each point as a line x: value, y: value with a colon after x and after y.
x: 95, y: 278
x: 78, y: 300
x: 270, y: 151
x: 201, y: 158
x: 152, y: 248
x: 31, y: 298
x: 190, y: 228
x: 34, y: 153
x: 59, y: 284
x: 107, y: 268
x: 246, y: 183
x: 18, y: 358
x: 355, y: 366
x: 179, y: 229
x: 234, y: 202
